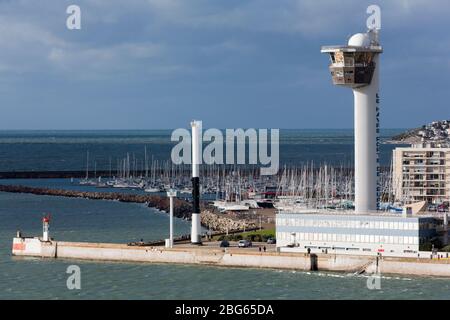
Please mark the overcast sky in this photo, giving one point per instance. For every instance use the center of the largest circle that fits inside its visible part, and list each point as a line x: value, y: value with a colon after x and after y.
x: 151, y: 64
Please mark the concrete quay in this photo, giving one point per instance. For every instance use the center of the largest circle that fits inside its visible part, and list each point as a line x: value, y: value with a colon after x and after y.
x: 228, y: 257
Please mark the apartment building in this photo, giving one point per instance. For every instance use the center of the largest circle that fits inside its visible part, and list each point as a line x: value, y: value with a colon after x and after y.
x: 422, y: 173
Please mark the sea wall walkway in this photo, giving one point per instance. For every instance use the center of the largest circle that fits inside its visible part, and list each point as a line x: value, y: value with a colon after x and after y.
x: 227, y: 257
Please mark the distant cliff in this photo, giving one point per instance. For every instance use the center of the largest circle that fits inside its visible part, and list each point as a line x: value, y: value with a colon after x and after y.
x: 437, y: 131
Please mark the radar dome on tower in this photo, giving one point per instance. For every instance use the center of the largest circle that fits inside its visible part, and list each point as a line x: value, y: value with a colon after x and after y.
x: 359, y: 40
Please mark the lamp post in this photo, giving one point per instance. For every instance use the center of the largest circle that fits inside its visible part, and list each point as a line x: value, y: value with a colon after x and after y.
x: 171, y: 194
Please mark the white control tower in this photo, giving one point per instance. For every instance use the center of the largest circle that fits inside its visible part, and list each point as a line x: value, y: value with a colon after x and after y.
x: 357, y: 66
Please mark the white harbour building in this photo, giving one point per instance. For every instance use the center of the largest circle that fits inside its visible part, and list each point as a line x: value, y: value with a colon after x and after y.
x: 350, y: 233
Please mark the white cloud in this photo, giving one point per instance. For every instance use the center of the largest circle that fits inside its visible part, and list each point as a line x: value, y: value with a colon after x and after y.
x: 33, y: 36
x: 228, y: 46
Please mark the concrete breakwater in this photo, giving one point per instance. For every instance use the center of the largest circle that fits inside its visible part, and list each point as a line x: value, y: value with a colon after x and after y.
x: 182, y: 208
x: 229, y: 257
x: 49, y: 174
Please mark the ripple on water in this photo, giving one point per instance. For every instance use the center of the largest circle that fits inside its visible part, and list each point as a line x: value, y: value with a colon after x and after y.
x: 46, y: 279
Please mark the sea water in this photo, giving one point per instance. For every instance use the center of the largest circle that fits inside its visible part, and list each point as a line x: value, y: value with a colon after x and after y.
x: 66, y: 150
x: 111, y: 221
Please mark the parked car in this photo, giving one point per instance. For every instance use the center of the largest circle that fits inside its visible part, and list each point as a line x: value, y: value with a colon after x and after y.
x: 443, y: 207
x: 244, y: 244
x: 224, y: 244
x: 271, y: 241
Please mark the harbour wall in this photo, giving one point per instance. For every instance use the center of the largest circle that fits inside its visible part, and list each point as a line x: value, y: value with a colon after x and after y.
x: 228, y: 257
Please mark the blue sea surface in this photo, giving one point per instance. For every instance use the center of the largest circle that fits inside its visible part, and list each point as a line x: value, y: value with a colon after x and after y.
x: 116, y: 222
x: 66, y: 150
x: 76, y: 219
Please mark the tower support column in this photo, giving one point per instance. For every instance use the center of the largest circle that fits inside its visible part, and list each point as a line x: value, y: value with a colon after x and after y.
x: 367, y: 144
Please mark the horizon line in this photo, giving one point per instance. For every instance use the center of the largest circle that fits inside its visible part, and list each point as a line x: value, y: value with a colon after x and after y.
x: 150, y: 129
